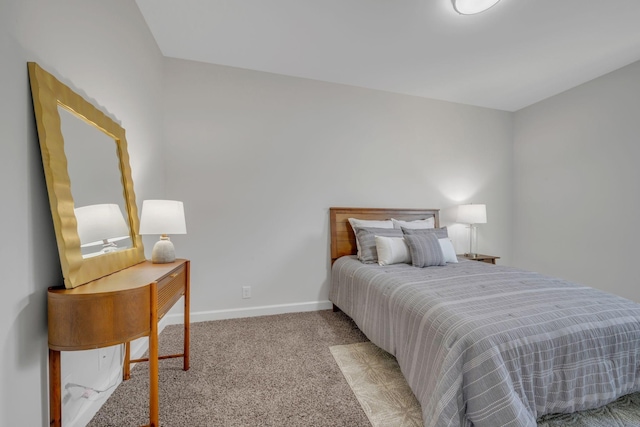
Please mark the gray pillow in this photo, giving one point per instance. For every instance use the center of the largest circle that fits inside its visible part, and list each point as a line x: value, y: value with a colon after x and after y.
x: 441, y: 233
x: 425, y: 249
x: 366, y: 237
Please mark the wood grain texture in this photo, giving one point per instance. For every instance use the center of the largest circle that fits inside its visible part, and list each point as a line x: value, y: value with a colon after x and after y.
x: 154, y: 402
x: 170, y: 289
x: 187, y: 320
x: 82, y: 322
x: 113, y: 310
x: 55, y: 393
x: 343, y: 241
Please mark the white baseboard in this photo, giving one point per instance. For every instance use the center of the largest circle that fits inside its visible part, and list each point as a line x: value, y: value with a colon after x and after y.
x: 235, y: 313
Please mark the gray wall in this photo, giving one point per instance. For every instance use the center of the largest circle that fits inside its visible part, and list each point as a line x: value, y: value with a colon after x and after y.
x: 577, y: 183
x: 259, y: 158
x: 104, y: 51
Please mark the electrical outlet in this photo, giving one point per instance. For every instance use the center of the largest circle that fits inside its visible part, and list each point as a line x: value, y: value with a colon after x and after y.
x: 246, y: 292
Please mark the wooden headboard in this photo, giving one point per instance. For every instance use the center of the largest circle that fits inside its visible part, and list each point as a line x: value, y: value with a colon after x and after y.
x: 343, y: 241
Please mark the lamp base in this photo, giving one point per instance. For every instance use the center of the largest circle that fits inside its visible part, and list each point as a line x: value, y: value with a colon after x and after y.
x: 163, y: 251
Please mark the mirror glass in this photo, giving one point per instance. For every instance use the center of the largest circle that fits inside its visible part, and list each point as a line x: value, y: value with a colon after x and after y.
x: 96, y: 187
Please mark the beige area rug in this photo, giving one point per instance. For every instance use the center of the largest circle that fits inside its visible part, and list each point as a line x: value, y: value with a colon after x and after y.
x: 376, y: 380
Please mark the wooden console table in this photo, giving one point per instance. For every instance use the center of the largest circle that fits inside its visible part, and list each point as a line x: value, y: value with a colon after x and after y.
x: 116, y: 309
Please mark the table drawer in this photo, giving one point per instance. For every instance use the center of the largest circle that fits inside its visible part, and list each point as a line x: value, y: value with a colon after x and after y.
x: 170, y: 289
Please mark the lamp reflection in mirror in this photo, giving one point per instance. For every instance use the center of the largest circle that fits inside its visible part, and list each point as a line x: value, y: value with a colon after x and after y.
x: 471, y: 7
x: 162, y: 217
x: 101, y: 224
x: 472, y: 214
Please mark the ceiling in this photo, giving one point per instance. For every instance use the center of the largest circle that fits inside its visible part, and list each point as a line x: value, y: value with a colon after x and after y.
x: 511, y: 56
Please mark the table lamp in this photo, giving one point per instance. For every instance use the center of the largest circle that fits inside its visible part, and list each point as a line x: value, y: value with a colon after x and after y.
x: 162, y: 217
x: 101, y: 224
x: 472, y: 214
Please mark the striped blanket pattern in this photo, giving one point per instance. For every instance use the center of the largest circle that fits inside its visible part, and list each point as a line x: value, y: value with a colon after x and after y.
x: 486, y: 346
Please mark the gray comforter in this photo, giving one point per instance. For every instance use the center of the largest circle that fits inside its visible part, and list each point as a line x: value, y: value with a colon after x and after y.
x: 483, y: 345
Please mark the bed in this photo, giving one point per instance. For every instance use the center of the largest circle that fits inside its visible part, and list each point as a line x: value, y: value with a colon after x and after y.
x: 487, y: 345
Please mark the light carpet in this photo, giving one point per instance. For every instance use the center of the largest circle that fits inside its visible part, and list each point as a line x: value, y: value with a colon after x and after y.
x: 375, y: 378
x: 274, y: 371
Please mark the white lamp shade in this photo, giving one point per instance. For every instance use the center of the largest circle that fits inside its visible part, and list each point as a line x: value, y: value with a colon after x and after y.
x: 99, y: 224
x: 470, y: 7
x: 162, y: 217
x: 472, y: 214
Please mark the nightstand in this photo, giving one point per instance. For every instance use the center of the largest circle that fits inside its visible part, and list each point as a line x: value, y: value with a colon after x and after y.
x: 489, y: 259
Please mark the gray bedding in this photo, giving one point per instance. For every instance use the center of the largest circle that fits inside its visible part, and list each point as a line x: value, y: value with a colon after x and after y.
x: 487, y: 346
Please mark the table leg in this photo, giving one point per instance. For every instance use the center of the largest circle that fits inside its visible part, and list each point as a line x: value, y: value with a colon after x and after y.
x: 55, y: 402
x: 153, y: 360
x: 187, y: 320
x: 126, y: 366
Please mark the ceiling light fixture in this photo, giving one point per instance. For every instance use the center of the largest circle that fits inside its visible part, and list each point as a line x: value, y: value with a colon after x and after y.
x: 470, y: 7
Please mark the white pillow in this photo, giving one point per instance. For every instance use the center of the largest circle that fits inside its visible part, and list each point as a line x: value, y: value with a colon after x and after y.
x: 417, y: 224
x: 392, y: 250
x: 369, y: 223
x: 447, y: 250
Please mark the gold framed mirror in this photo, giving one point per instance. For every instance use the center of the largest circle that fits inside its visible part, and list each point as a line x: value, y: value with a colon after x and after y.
x: 62, y: 117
